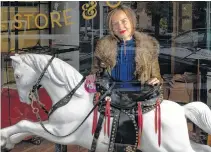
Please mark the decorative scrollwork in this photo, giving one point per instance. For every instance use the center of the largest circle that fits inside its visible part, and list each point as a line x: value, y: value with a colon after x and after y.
x: 89, y: 10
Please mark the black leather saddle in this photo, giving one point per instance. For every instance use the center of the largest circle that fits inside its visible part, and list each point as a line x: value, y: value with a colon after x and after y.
x: 124, y: 110
x: 123, y: 103
x: 125, y: 99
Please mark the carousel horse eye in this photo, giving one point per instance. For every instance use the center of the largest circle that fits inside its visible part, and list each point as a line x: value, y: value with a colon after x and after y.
x: 17, y: 76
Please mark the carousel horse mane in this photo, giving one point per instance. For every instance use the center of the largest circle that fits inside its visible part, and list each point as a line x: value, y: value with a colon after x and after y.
x: 60, y: 72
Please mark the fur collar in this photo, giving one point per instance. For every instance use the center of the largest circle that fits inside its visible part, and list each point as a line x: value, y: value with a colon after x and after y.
x: 147, y: 48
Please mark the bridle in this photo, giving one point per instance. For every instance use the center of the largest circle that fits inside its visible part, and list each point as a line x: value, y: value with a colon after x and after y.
x: 33, y: 97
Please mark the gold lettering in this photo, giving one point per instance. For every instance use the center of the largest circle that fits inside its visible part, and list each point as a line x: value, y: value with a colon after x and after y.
x: 19, y: 22
x: 28, y: 19
x: 36, y: 20
x: 67, y: 17
x: 55, y: 19
x: 113, y: 5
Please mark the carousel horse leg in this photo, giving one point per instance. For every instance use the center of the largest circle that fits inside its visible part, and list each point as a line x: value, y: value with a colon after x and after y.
x: 34, y: 129
x: 14, y: 139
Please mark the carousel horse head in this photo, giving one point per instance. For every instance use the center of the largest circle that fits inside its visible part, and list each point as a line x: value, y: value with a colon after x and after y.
x: 25, y: 77
x: 28, y: 68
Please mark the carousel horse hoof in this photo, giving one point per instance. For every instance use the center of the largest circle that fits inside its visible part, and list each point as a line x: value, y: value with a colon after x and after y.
x: 3, y: 142
x: 3, y: 147
x: 5, y: 150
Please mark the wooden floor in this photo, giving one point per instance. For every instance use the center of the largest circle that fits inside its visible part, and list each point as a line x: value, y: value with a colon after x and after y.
x: 45, y: 146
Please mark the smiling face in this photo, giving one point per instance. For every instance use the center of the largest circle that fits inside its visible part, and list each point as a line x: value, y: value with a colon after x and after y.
x: 25, y: 78
x: 121, y: 25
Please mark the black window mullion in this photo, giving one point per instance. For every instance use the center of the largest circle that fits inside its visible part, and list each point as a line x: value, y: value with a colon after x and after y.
x: 16, y: 31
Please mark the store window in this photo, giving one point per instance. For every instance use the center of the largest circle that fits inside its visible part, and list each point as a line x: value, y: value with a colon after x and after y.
x: 20, y: 31
x: 22, y: 23
x: 182, y: 28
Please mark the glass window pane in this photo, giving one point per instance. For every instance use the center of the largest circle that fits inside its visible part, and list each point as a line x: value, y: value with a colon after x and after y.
x: 184, y: 38
x: 5, y: 18
x: 4, y: 42
x: 28, y: 39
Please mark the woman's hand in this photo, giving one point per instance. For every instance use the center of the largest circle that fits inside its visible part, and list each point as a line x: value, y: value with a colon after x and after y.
x: 154, y: 81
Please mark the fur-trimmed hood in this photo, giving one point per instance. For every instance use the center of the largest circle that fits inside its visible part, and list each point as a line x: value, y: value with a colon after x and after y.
x: 146, y: 49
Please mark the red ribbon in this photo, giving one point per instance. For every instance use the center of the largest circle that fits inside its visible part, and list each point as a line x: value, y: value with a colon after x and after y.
x: 105, y: 125
x: 109, y: 116
x: 140, y: 122
x: 95, y: 116
x: 158, y: 121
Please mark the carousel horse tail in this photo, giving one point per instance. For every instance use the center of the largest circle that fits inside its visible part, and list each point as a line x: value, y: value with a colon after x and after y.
x: 200, y: 114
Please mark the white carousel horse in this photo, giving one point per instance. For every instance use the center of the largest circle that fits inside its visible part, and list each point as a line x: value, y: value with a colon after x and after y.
x: 60, y: 78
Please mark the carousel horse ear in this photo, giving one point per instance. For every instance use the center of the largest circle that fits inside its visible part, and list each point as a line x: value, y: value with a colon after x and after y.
x: 16, y: 58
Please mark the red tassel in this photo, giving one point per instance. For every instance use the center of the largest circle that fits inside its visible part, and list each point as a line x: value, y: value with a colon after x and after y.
x: 105, y: 125
x: 105, y: 116
x: 156, y: 127
x: 159, y: 124
x: 108, y: 115
x: 95, y: 120
x: 95, y: 116
x: 158, y: 121
x: 140, y: 122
